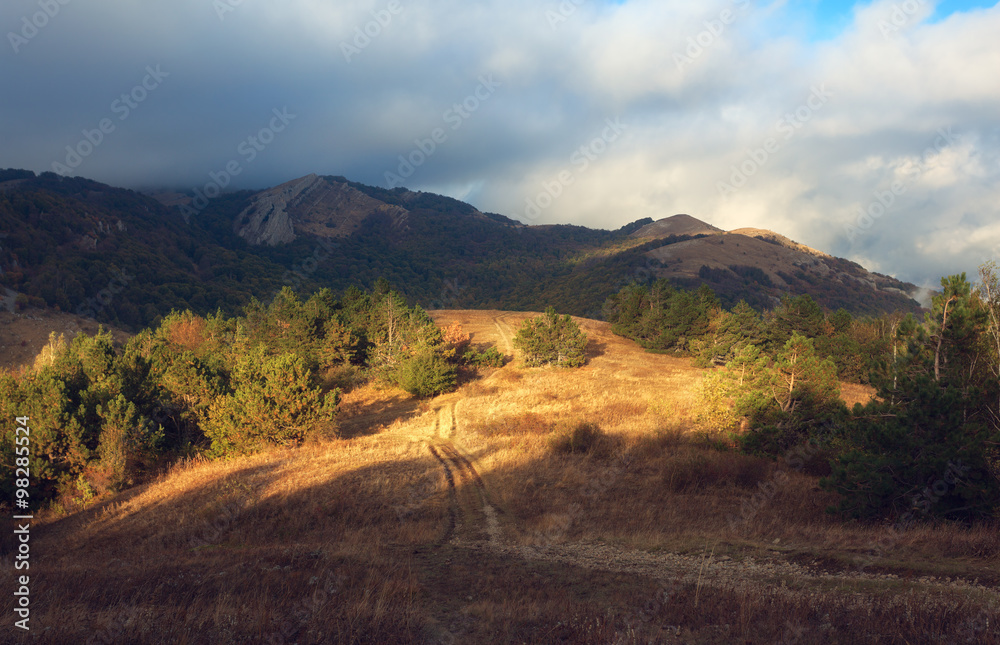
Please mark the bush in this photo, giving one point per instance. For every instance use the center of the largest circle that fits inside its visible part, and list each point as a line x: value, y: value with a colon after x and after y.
x: 918, y: 460
x: 707, y: 468
x: 551, y: 339
x: 128, y: 441
x: 426, y: 374
x: 489, y: 357
x: 583, y: 438
x: 274, y: 403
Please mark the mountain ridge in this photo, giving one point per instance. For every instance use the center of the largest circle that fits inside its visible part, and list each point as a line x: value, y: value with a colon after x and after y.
x: 70, y: 236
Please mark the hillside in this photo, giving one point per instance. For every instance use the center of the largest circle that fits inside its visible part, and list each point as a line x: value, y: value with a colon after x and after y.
x: 127, y: 259
x: 460, y: 519
x: 23, y: 335
x: 676, y: 225
x: 759, y: 266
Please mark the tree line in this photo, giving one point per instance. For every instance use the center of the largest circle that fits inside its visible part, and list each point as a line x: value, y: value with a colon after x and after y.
x: 214, y: 385
x: 776, y: 387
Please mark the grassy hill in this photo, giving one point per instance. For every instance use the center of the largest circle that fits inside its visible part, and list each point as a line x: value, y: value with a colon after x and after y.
x: 477, y: 517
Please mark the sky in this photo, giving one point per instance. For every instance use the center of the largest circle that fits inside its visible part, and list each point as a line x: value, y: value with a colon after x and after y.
x: 870, y: 131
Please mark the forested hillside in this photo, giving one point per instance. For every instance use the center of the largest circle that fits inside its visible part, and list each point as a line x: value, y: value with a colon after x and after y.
x: 126, y: 259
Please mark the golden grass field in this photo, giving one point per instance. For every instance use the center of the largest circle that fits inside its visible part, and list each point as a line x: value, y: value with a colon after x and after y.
x: 461, y: 520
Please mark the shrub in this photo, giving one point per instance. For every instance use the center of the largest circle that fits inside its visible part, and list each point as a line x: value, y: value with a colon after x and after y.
x: 489, y: 357
x: 128, y: 441
x: 708, y: 468
x: 455, y: 338
x: 918, y: 460
x: 274, y: 402
x: 426, y: 374
x: 583, y: 438
x: 551, y: 339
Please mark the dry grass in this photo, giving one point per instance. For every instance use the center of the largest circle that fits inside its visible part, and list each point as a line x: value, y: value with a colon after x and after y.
x: 343, y: 541
x: 24, y: 334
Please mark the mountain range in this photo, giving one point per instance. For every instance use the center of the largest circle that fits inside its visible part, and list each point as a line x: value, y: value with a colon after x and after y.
x: 127, y: 258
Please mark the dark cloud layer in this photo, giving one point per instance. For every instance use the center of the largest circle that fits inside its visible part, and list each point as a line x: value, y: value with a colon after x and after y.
x: 707, y: 96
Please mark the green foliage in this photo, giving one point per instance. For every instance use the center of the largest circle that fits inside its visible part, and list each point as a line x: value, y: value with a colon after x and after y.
x: 796, y: 315
x: 273, y: 402
x: 551, y: 339
x: 780, y: 398
x: 426, y: 373
x: 128, y: 441
x: 728, y: 333
x: 489, y: 357
x: 928, y: 445
x: 315, y: 329
x: 660, y: 317
x: 102, y: 414
x: 922, y: 458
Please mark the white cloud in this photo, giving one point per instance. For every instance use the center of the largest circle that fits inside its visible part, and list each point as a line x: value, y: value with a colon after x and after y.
x: 688, y: 124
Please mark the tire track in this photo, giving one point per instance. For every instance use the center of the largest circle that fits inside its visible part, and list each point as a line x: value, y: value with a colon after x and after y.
x: 464, y: 466
x: 446, y: 421
x: 452, y: 494
x: 470, y: 513
x: 506, y: 335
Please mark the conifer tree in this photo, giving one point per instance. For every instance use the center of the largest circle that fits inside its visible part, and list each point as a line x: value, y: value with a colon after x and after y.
x: 551, y: 339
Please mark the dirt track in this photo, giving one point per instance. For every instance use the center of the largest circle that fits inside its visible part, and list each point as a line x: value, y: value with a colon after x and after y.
x: 482, y: 527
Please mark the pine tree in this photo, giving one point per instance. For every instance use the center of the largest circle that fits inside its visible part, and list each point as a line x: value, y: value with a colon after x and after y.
x: 930, y: 418
x: 551, y: 339
x: 274, y: 402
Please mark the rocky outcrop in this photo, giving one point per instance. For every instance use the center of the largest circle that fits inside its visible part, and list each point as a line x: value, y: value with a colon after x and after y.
x: 266, y: 220
x: 320, y: 206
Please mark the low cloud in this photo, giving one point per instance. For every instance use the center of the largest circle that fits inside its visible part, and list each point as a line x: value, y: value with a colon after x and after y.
x: 702, y: 89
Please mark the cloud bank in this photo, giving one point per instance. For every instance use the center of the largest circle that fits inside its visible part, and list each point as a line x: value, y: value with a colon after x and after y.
x: 879, y: 141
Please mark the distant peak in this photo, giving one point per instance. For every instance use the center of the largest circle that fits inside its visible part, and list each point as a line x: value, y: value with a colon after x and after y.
x: 676, y: 225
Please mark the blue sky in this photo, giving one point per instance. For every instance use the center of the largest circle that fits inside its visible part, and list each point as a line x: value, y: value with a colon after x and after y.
x: 820, y: 20
x: 792, y: 116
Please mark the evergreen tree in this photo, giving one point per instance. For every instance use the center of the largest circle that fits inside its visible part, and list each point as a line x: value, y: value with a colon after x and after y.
x: 728, y: 333
x: 273, y: 402
x: 778, y: 401
x: 551, y: 339
x: 931, y: 417
x: 798, y: 314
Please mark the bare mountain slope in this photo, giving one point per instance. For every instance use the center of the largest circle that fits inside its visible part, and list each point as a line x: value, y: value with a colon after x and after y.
x: 676, y: 225
x: 760, y: 265
x: 319, y: 206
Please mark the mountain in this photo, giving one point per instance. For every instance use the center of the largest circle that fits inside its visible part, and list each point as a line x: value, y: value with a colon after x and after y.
x: 759, y: 266
x: 676, y: 225
x: 318, y: 206
x: 127, y: 258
